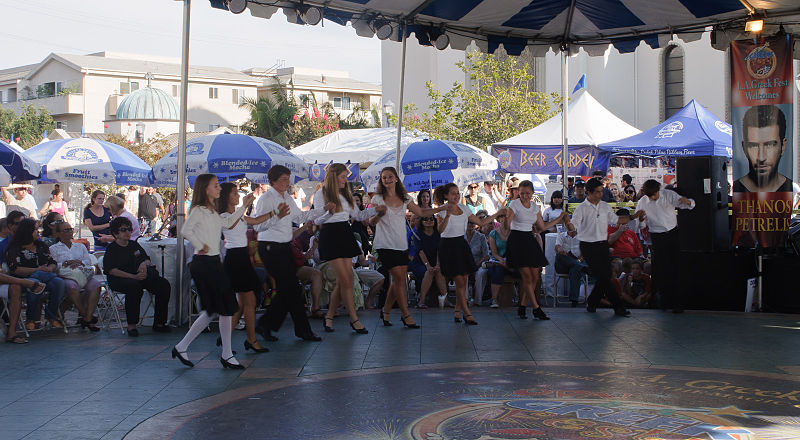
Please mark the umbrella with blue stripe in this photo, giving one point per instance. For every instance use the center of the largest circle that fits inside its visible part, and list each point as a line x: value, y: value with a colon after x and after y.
x: 90, y: 161
x: 16, y: 167
x: 428, y: 164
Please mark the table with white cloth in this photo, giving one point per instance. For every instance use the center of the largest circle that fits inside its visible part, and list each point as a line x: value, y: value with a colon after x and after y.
x: 167, y: 248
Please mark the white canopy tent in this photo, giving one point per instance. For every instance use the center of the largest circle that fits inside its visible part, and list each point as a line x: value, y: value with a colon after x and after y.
x: 362, y: 145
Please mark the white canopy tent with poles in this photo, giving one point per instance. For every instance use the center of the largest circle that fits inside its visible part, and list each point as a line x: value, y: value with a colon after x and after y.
x: 363, y: 145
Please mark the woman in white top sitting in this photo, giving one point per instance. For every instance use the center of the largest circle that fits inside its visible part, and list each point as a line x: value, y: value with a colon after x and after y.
x: 75, y: 257
x: 523, y: 251
x: 455, y: 256
x: 238, y: 267
x: 391, y: 242
x: 337, y: 244
x: 203, y: 228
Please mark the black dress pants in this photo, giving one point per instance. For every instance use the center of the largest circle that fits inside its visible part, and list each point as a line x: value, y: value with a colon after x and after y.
x: 158, y: 286
x: 279, y: 262
x: 597, y: 255
x: 666, y: 256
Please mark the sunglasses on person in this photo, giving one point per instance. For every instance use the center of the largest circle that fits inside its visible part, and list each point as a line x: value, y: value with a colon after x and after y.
x: 124, y: 229
x: 427, y: 219
x: 630, y: 192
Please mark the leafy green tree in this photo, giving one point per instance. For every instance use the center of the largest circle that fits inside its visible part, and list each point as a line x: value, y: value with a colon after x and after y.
x: 500, y: 101
x: 29, y: 126
x: 271, y: 116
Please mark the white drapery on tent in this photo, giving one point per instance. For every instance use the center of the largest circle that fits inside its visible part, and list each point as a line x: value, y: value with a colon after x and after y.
x: 362, y: 145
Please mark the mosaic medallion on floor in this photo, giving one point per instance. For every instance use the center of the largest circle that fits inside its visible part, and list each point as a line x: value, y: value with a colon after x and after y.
x: 497, y: 401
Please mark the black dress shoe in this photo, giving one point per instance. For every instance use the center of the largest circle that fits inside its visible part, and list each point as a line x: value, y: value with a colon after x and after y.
x: 162, y: 328
x: 622, y: 312
x: 226, y: 364
x: 133, y: 333
x: 249, y: 346
x: 310, y: 336
x: 184, y: 361
x: 265, y: 334
x: 591, y: 309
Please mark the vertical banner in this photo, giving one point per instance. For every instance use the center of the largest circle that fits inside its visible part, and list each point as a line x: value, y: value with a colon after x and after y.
x: 762, y: 115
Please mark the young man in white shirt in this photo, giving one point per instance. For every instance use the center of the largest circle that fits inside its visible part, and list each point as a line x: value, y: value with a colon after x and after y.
x: 591, y: 219
x: 659, y: 207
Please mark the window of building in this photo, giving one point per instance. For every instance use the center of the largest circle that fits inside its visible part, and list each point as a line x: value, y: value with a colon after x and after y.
x: 61, y: 125
x: 134, y: 86
x: 237, y: 96
x: 175, y: 90
x: 1, y: 96
x: 212, y: 127
x: 337, y: 102
x: 124, y: 88
x: 11, y: 96
x: 59, y: 87
x: 673, y: 80
x: 346, y: 103
x: 213, y: 93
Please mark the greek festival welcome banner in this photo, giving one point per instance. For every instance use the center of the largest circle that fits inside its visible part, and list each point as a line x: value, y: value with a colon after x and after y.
x: 583, y: 159
x: 761, y: 111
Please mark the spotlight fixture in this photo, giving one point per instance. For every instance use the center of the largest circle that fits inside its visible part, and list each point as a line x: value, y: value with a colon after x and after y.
x: 312, y: 15
x: 383, y: 29
x: 439, y: 38
x: 754, y: 24
x: 236, y: 6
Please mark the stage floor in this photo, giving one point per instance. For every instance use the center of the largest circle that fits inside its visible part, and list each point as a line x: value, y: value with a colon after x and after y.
x: 653, y: 376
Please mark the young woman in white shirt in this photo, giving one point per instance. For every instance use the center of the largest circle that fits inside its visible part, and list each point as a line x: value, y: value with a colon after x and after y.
x: 455, y: 256
x: 523, y: 251
x: 337, y: 244
x: 391, y: 242
x: 238, y: 267
x: 203, y: 228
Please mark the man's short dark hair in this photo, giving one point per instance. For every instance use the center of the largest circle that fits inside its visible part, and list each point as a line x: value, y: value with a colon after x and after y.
x: 276, y: 172
x: 593, y: 184
x: 598, y: 173
x: 14, y: 217
x: 627, y: 178
x: 623, y: 212
x: 764, y: 116
x: 580, y: 184
x: 650, y: 187
x: 570, y: 179
x: 118, y: 223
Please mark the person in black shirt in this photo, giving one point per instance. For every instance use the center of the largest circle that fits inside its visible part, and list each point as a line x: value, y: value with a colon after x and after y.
x: 130, y: 272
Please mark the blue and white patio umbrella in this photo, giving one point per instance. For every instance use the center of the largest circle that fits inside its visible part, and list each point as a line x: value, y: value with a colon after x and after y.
x: 428, y: 164
x: 229, y: 156
x: 16, y: 167
x: 90, y: 161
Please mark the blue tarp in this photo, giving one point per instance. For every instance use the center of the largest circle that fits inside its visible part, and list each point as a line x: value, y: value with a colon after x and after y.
x: 693, y: 131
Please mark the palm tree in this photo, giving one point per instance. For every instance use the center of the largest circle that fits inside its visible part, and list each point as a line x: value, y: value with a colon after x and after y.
x: 270, y: 116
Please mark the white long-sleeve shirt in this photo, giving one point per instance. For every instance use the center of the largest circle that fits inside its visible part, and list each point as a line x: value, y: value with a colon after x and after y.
x: 344, y: 215
x: 661, y: 215
x: 592, y: 221
x: 279, y: 229
x: 204, y: 227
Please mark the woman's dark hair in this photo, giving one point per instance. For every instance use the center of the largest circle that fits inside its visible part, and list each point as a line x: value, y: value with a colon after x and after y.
x: 24, y: 234
x: 47, y: 222
x: 117, y: 223
x: 95, y: 193
x: 419, y: 198
x: 650, y: 187
x: 275, y: 173
x: 360, y: 203
x: 420, y: 228
x: 399, y: 188
x: 560, y: 195
x: 225, y: 196
x: 55, y: 192
x: 199, y: 196
x: 440, y: 193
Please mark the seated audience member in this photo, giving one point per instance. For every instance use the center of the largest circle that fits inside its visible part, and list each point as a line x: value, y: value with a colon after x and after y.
x: 11, y: 291
x: 130, y: 272
x: 48, y: 229
x: 569, y: 260
x: 20, y: 201
x: 479, y: 245
x: 28, y: 257
x: 498, y: 239
x: 360, y: 227
x: 554, y: 210
x: 616, y: 270
x: 96, y: 217
x: 600, y: 175
x: 580, y: 193
x: 636, y: 286
x: 116, y: 205
x: 425, y: 263
x: 623, y: 240
x: 76, y: 269
x: 629, y: 194
x: 369, y: 277
x: 306, y: 273
x: 615, y: 192
x: 473, y: 200
x: 12, y: 221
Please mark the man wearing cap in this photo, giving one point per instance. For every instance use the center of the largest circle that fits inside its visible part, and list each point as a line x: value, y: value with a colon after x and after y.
x: 579, y: 195
x: 622, y: 237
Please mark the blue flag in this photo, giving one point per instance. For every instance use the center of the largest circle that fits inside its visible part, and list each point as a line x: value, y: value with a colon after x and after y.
x: 581, y: 84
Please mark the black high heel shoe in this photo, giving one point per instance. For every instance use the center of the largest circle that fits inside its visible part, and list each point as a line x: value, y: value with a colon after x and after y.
x: 386, y: 323
x: 469, y: 321
x: 521, y: 312
x: 539, y: 314
x: 403, y: 318
x: 226, y: 364
x: 325, y: 325
x: 249, y: 346
x: 456, y: 317
x: 219, y: 344
x: 360, y: 331
x: 87, y: 324
x: 184, y: 361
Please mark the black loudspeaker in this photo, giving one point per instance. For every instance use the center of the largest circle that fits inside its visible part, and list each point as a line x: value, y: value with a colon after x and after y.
x: 705, y: 228
x: 794, y: 236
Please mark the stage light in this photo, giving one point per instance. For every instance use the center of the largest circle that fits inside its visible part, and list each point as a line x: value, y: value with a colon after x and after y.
x: 439, y: 38
x: 754, y: 25
x: 312, y: 15
x: 383, y: 29
x: 237, y: 6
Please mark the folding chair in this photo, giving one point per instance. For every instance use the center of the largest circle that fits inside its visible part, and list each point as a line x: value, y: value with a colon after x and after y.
x: 565, y: 277
x: 6, y: 312
x: 113, y: 302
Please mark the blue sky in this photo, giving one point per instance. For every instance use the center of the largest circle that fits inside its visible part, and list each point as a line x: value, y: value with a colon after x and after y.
x: 34, y: 28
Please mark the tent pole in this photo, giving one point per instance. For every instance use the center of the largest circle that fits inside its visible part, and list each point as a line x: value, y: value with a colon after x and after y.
x: 564, y: 102
x: 400, y: 110
x: 181, y: 184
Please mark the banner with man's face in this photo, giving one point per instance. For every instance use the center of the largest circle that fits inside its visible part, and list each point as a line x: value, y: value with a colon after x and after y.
x: 761, y: 111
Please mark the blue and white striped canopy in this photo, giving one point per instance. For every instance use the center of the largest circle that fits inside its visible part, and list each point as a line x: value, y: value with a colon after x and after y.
x: 90, y: 161
x: 15, y: 166
x: 541, y: 24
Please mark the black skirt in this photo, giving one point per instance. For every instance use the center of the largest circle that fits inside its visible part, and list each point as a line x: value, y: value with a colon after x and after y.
x: 336, y: 240
x: 522, y: 250
x: 240, y: 270
x: 213, y: 287
x: 390, y: 258
x: 455, y: 257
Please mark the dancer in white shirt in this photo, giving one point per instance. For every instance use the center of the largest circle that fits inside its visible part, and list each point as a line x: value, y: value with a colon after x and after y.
x: 455, y: 256
x: 523, y: 251
x: 203, y: 228
x: 391, y: 242
x: 337, y: 245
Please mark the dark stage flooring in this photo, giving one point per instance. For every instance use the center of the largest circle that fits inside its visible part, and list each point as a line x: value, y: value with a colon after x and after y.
x: 699, y: 375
